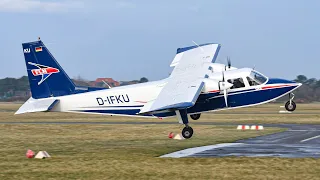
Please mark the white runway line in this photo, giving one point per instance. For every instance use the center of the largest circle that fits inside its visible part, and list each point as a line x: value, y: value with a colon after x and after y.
x: 286, y: 137
x: 310, y: 138
x: 191, y: 151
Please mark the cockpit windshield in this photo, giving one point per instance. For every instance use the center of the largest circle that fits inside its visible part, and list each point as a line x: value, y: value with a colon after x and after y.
x: 256, y: 78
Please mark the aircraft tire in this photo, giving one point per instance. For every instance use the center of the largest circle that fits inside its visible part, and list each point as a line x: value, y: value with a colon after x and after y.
x: 195, y: 116
x: 291, y: 107
x: 187, y: 132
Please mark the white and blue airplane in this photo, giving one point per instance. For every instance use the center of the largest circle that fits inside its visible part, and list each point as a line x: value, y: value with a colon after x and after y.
x: 197, y: 84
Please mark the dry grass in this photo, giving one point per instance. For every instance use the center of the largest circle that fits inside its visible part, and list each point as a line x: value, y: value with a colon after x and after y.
x: 131, y: 151
x: 264, y: 114
x: 107, y: 151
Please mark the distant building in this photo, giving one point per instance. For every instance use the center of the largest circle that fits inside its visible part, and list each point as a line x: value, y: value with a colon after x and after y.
x: 80, y: 82
x: 22, y: 93
x: 100, y: 82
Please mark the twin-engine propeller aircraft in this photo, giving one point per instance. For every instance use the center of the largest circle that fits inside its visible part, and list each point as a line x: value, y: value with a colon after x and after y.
x: 197, y: 84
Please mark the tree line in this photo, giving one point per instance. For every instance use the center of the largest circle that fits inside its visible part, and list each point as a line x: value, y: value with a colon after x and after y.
x: 17, y: 89
x: 309, y: 91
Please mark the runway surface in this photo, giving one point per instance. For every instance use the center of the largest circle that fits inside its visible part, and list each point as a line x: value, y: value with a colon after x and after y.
x: 297, y: 142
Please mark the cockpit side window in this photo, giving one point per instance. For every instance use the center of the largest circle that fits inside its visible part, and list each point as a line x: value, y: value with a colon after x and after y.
x: 237, y: 83
x: 252, y: 82
x: 258, y: 78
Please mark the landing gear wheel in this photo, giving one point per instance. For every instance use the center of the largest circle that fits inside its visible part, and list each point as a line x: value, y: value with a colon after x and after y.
x: 195, y: 116
x: 187, y: 132
x: 290, y: 106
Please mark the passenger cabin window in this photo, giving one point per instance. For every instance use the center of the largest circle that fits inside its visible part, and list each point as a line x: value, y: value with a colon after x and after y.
x: 255, y: 79
x: 237, y: 83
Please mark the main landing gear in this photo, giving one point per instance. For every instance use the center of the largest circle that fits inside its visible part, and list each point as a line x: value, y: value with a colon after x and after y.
x: 195, y: 116
x: 290, y: 105
x: 187, y: 131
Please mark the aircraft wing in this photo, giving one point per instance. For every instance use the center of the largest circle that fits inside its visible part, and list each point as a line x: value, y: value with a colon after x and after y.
x: 186, y: 80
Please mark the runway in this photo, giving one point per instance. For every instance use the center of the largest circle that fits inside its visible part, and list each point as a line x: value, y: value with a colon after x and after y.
x: 297, y: 142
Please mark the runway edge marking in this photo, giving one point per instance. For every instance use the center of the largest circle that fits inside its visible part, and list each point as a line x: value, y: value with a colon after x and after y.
x: 195, y: 150
x: 314, y: 137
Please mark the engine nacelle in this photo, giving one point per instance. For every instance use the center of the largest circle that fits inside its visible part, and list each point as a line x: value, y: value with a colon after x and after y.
x: 216, y: 67
x: 210, y: 85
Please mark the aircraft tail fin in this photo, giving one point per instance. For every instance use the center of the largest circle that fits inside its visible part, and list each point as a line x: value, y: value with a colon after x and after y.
x: 46, y: 76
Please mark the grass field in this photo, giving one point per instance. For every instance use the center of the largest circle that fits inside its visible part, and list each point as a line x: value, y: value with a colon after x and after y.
x: 101, y: 151
x: 305, y: 113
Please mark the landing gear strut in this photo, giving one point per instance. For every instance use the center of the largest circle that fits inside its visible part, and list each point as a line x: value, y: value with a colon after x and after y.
x: 187, y: 131
x: 195, y: 116
x: 291, y: 105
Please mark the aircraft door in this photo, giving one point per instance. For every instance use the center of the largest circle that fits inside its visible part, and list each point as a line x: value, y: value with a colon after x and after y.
x: 239, y: 84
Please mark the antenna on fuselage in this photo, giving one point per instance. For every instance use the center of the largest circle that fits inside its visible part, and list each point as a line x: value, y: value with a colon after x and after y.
x: 106, y: 84
x: 198, y: 46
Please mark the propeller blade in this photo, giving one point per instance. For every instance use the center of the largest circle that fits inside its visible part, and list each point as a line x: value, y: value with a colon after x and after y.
x: 224, y: 86
x: 229, y: 62
x: 225, y: 97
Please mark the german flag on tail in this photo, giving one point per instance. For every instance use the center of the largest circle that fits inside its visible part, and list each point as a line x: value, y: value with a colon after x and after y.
x: 38, y: 49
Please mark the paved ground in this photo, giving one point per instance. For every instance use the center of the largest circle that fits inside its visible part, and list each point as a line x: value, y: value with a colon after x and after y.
x: 298, y: 141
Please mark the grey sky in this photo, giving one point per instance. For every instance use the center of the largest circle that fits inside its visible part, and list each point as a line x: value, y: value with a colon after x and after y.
x: 130, y: 39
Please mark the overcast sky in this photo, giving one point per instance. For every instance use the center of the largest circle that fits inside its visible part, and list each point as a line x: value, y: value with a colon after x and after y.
x: 130, y: 39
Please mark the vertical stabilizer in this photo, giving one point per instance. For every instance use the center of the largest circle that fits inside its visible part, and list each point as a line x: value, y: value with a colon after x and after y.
x: 46, y: 76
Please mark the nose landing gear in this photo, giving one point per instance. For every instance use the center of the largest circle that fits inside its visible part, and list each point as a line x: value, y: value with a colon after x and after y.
x: 290, y: 105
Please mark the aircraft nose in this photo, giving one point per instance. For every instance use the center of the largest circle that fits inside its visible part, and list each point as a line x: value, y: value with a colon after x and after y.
x: 283, y: 81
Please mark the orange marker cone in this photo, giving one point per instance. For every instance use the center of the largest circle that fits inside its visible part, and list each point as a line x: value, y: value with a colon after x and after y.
x: 171, y: 135
x: 29, y: 153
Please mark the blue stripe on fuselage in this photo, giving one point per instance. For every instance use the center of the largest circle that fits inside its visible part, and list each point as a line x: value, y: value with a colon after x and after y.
x: 134, y: 106
x: 132, y: 112
x: 279, y: 81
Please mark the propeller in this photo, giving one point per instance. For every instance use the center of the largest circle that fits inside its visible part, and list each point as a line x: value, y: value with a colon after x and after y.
x: 224, y: 86
x: 229, y: 62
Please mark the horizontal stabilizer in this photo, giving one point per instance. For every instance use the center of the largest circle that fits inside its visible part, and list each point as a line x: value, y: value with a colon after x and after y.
x: 37, y: 105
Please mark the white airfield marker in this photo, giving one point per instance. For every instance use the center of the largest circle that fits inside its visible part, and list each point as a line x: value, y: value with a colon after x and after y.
x: 288, y: 112
x: 178, y: 137
x: 42, y: 155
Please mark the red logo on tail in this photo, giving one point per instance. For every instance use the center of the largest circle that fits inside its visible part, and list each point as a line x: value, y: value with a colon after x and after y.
x: 44, y: 71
